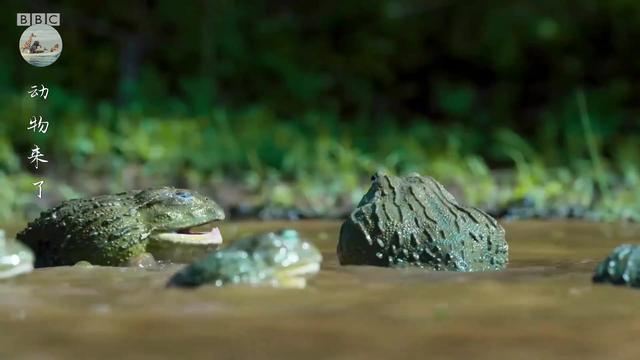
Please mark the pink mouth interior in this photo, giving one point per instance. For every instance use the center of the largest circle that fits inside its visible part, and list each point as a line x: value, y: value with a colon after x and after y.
x: 212, y: 235
x: 215, y: 235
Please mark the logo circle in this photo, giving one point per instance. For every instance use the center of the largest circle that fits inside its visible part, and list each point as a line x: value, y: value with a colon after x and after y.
x: 40, y: 45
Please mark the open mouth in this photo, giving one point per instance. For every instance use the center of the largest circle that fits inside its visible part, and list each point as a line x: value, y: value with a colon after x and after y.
x: 205, y: 234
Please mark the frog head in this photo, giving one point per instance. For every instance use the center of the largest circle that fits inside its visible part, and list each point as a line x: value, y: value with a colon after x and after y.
x: 382, y: 185
x: 179, y: 216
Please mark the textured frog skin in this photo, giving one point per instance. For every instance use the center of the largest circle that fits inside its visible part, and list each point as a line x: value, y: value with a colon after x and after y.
x: 621, y: 267
x: 276, y: 259
x: 415, y: 221
x: 111, y: 229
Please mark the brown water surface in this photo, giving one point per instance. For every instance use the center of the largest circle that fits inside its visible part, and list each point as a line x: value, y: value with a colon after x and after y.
x: 544, y: 306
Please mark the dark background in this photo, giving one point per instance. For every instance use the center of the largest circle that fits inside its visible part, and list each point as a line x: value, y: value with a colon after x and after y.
x: 298, y: 92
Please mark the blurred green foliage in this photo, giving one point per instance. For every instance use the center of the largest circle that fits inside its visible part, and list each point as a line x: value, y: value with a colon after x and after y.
x: 297, y: 102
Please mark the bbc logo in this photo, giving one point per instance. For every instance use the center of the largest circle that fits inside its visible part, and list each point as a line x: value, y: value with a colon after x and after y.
x: 28, y: 19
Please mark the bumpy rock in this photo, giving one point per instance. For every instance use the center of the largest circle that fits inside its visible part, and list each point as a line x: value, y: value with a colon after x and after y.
x: 414, y: 221
x: 621, y: 267
x: 111, y: 229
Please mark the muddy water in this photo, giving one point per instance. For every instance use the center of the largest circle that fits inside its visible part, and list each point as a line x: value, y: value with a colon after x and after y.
x: 544, y: 306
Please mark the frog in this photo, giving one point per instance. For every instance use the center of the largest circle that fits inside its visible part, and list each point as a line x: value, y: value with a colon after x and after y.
x: 274, y: 259
x: 413, y: 221
x: 117, y: 229
x: 621, y: 267
x: 15, y: 258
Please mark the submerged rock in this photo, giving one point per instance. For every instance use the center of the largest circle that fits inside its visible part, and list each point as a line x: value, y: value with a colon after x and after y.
x: 15, y: 258
x: 621, y: 267
x: 275, y: 259
x: 414, y: 221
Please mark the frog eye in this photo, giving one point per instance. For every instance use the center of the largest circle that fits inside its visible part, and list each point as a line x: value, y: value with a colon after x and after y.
x: 378, y: 176
x: 183, y: 195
